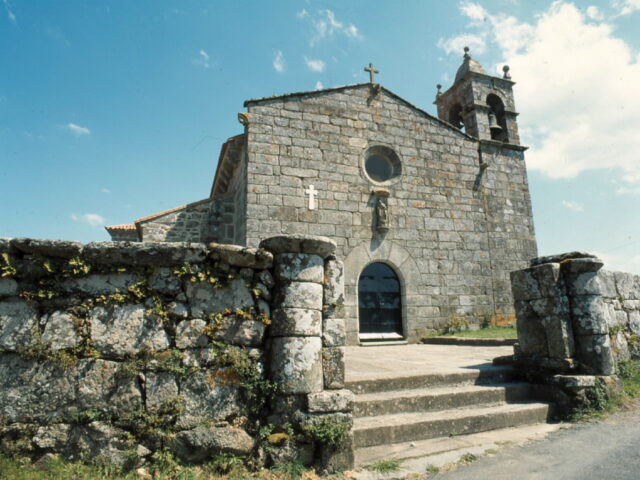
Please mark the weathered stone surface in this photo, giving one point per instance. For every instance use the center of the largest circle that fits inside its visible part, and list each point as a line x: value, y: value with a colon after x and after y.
x: 575, y: 381
x: 581, y: 265
x: 238, y: 256
x: 164, y: 281
x: 560, y: 257
x: 595, y: 355
x: 628, y: 285
x: 591, y: 283
x: 100, y: 284
x: 265, y: 277
x: 102, y: 444
x: 559, y: 336
x: 18, y: 324
x: 531, y: 330
x: 123, y: 330
x: 322, y: 246
x: 525, y: 285
x: 202, y: 443
x: 333, y: 332
x: 160, y: 387
x: 634, y: 322
x: 101, y: 387
x: 292, y: 322
x: 296, y: 363
x: 331, y: 401
x: 49, y: 248
x: 8, y: 286
x: 190, y: 334
x: 300, y: 295
x: 241, y: 332
x: 144, y: 253
x: 35, y: 391
x: 52, y: 437
x: 205, y: 299
x: 589, y: 315
x: 178, y: 309
x: 60, y: 331
x: 299, y: 267
x: 212, y: 395
x: 333, y: 367
x: 333, y: 282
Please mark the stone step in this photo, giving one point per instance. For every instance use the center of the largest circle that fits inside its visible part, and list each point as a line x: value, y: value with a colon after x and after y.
x: 407, y: 427
x: 486, y: 375
x: 442, y: 398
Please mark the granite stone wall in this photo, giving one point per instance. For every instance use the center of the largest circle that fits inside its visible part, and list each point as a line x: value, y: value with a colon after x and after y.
x: 185, y: 224
x: 112, y: 353
x: 464, y: 228
x: 576, y: 322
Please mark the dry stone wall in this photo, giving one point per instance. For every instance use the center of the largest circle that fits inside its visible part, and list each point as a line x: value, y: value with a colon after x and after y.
x: 576, y: 322
x: 111, y: 352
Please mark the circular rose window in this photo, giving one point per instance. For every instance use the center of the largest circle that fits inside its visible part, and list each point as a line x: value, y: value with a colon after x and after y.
x: 382, y: 164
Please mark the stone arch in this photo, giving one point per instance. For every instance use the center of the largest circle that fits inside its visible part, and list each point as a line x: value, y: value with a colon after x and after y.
x: 496, y: 108
x: 399, y: 259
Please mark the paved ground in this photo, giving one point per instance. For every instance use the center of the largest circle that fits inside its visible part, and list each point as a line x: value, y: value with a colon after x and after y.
x: 608, y: 449
x: 369, y: 363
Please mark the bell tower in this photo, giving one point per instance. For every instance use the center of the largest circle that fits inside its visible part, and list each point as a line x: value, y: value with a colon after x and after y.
x: 480, y: 104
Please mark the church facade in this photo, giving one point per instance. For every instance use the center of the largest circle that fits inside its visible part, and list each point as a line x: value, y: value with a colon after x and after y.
x: 430, y: 214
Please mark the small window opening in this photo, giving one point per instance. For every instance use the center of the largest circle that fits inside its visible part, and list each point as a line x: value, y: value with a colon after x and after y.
x: 455, y: 117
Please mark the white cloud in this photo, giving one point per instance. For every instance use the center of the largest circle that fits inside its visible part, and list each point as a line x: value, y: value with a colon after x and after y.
x: 474, y: 11
x: 325, y: 25
x: 10, y: 14
x: 202, y: 60
x: 91, y: 219
x: 105, y: 190
x: 315, y: 65
x: 626, y: 7
x: 319, y: 85
x: 578, y: 88
x: 278, y: 62
x: 594, y: 13
x: 77, y: 130
x: 455, y: 45
x: 571, y: 205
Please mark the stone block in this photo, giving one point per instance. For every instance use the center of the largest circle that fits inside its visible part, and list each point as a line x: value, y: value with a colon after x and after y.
x: 203, y: 443
x: 102, y: 387
x: 590, y: 283
x: 293, y: 322
x: 581, y: 265
x: 300, y: 295
x: 100, y: 284
x: 18, y: 324
x: 594, y: 354
x: 164, y: 281
x: 589, y: 315
x: 316, y: 245
x: 556, y: 306
x: 333, y: 332
x: 333, y: 282
x: 627, y: 285
x: 524, y: 285
x: 60, y: 330
x: 47, y: 248
x: 204, y: 298
x: 330, y: 401
x: 8, y: 287
x: 531, y: 331
x: 211, y: 395
x: 296, y: 363
x: 123, y: 331
x: 299, y: 267
x: 33, y: 391
x: 144, y: 253
x: 559, y: 336
x: 241, y: 256
x: 239, y: 331
x: 333, y: 367
x: 634, y: 322
x: 190, y: 334
x: 575, y: 382
x: 159, y: 387
x: 265, y: 277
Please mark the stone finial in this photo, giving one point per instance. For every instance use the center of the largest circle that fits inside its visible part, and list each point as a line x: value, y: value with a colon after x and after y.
x: 466, y: 52
x: 506, y: 75
x: 439, y: 92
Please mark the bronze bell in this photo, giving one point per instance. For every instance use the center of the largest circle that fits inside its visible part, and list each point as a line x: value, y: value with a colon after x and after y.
x: 493, y: 124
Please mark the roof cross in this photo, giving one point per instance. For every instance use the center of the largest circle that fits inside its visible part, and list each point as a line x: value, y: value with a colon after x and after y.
x: 372, y: 71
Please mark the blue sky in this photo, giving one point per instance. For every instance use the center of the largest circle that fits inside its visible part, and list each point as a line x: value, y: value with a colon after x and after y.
x: 113, y: 110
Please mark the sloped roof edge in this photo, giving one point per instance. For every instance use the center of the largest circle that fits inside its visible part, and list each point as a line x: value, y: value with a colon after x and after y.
x: 171, y: 210
x: 354, y: 86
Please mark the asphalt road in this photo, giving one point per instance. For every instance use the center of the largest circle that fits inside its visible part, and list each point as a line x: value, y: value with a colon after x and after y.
x: 603, y: 450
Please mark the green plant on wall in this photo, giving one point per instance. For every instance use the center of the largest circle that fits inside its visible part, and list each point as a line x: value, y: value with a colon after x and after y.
x: 326, y: 430
x: 6, y: 267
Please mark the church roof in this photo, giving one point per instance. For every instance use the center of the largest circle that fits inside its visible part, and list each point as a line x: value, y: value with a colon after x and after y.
x: 469, y: 65
x: 311, y: 93
x: 124, y: 226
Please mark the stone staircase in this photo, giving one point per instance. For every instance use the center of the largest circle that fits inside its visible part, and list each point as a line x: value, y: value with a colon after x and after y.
x: 396, y: 413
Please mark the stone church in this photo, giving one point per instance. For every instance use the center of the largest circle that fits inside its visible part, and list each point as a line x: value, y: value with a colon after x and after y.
x: 429, y: 214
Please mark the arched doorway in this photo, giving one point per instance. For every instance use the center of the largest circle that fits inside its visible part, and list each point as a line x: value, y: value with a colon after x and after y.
x: 379, y: 299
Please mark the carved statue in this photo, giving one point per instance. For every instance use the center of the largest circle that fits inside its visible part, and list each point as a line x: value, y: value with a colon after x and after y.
x: 382, y: 214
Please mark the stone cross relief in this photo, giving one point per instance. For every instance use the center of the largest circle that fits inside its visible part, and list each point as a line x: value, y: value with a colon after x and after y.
x: 382, y: 214
x: 312, y: 192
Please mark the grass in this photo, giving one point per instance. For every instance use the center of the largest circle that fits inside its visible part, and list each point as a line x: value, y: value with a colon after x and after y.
x: 489, y: 332
x: 57, y: 468
x: 385, y: 466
